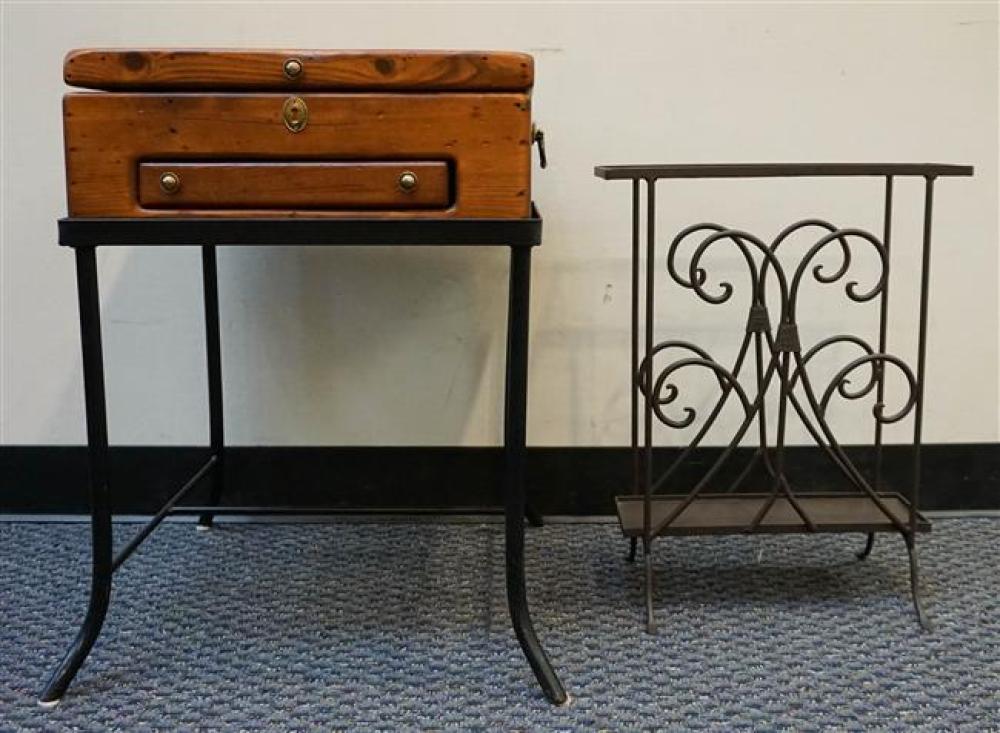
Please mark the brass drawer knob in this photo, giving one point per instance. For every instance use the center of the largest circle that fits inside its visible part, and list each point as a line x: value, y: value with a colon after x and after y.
x: 295, y: 113
x: 292, y: 68
x: 170, y: 182
x: 408, y: 181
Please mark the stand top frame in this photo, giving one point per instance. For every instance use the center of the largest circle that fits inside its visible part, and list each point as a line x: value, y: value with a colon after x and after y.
x: 299, y: 231
x: 777, y: 170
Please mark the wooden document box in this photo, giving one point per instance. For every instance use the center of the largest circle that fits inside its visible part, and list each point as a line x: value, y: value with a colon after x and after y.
x: 298, y: 133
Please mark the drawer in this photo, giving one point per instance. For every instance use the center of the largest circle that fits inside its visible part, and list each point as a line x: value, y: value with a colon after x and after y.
x: 300, y: 185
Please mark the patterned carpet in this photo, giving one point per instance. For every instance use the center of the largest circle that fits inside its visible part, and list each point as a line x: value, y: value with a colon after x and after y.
x: 404, y: 626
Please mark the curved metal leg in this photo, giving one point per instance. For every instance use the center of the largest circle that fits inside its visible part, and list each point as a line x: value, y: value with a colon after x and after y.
x: 648, y: 557
x: 210, y: 282
x: 100, y: 500
x: 911, y: 548
x: 515, y: 417
x: 520, y: 617
x: 633, y: 543
x: 90, y: 629
x: 869, y: 544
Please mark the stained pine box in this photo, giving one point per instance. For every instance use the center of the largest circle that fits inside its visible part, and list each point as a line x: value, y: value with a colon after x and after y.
x: 298, y: 133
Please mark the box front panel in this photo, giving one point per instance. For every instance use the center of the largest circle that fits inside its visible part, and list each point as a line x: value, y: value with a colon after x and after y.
x: 483, y: 140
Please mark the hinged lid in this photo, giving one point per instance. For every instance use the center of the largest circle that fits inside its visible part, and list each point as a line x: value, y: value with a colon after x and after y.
x: 202, y: 69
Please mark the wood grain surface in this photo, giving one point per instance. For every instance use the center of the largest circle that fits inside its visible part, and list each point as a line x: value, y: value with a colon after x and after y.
x: 485, y: 138
x: 203, y: 69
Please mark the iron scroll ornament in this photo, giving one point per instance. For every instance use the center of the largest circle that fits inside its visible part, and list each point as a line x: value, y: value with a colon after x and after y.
x: 778, y: 354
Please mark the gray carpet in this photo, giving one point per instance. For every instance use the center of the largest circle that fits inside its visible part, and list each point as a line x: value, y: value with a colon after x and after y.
x: 404, y: 626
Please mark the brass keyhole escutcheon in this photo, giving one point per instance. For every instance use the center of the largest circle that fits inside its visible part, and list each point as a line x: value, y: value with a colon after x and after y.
x: 292, y: 68
x: 295, y: 113
x: 408, y: 181
x: 170, y: 182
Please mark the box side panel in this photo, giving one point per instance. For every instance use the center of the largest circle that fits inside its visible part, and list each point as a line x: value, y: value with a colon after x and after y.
x: 485, y: 137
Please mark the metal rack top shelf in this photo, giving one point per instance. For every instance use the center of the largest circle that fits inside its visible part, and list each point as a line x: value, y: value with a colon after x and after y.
x: 776, y: 170
x: 299, y: 231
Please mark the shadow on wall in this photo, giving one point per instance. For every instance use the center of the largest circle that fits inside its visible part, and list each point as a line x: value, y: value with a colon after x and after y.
x: 378, y: 345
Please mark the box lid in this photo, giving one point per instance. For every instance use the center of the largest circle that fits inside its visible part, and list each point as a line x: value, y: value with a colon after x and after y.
x: 269, y: 70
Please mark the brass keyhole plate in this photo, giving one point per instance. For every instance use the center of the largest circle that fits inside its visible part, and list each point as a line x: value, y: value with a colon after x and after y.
x: 295, y: 113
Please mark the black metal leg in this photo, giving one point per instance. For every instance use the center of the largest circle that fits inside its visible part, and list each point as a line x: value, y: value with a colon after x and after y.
x: 634, y: 365
x: 100, y: 500
x: 515, y: 418
x: 213, y: 350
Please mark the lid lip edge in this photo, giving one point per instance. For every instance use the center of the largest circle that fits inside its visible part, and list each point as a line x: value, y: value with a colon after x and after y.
x: 109, y: 69
x: 264, y: 87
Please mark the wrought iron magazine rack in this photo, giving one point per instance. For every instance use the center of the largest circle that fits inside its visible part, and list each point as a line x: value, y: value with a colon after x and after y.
x: 772, y: 351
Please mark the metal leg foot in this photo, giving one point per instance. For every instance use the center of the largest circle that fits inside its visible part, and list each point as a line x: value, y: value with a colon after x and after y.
x: 925, y: 622
x: 633, y: 544
x: 100, y: 499
x: 84, y: 642
x: 523, y: 626
x: 650, y: 616
x: 869, y: 544
x: 533, y: 517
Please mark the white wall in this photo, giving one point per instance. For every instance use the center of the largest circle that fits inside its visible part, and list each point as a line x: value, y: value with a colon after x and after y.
x: 380, y: 346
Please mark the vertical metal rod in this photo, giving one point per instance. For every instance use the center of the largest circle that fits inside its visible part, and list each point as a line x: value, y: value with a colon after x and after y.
x: 882, y: 328
x: 515, y: 429
x: 634, y: 341
x: 647, y: 508
x: 918, y: 420
x: 882, y: 345
x: 213, y: 351
x: 100, y: 497
x: 925, y: 274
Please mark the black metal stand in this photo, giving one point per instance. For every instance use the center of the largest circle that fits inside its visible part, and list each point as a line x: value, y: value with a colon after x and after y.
x: 86, y: 234
x: 778, y: 358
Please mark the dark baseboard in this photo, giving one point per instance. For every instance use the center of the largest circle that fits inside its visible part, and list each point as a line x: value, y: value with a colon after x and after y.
x: 561, y: 481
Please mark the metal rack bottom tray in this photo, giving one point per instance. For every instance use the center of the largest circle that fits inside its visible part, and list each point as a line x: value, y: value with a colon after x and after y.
x: 734, y: 513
